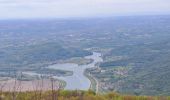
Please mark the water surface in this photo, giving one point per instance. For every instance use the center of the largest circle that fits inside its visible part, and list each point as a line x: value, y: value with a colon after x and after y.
x: 77, y: 80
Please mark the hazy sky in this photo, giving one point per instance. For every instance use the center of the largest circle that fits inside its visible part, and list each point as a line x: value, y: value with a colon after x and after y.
x: 80, y: 8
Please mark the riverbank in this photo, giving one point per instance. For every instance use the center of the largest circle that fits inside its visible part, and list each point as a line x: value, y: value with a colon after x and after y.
x: 34, y: 85
x: 93, y: 85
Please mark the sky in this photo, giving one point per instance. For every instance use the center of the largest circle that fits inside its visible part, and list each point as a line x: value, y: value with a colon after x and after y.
x: 81, y: 8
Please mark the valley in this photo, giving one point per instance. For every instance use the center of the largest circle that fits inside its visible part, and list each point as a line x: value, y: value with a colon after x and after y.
x: 134, y: 51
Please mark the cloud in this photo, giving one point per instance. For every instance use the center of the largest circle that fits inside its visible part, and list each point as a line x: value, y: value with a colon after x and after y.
x: 80, y: 8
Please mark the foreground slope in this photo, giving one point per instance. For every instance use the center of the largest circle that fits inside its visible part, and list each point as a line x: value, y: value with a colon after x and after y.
x: 74, y: 95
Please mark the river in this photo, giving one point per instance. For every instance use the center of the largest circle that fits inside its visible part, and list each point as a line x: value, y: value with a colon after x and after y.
x: 78, y: 80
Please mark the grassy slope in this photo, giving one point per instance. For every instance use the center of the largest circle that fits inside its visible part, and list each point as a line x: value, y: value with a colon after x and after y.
x: 73, y: 95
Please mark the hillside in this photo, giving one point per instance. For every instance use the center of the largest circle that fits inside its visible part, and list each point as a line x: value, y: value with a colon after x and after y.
x: 74, y: 95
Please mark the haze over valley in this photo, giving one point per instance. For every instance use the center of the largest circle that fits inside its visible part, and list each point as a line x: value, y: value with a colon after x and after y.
x: 129, y: 55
